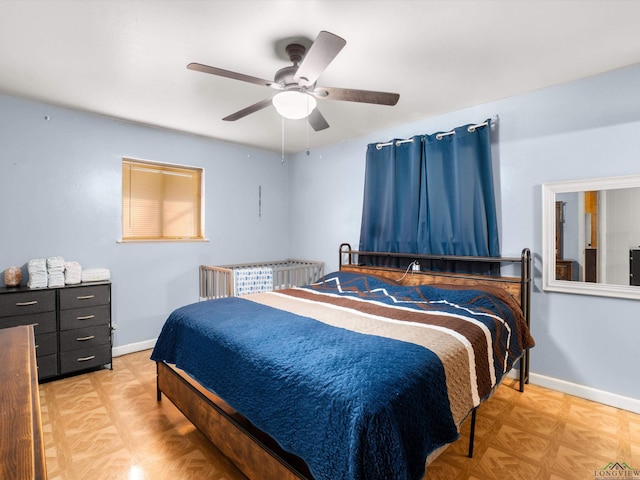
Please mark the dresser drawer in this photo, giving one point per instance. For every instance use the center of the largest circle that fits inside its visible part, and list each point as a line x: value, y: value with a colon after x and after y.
x: 46, y: 344
x: 24, y: 303
x: 44, y: 322
x: 47, y: 366
x: 77, y: 297
x: 85, y: 317
x: 74, y: 320
x: 84, y: 358
x: 84, y: 337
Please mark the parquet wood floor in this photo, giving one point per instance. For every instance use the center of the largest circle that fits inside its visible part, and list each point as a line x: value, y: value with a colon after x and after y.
x: 108, y: 425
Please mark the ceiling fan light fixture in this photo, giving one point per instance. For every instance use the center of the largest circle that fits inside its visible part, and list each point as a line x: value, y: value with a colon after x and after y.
x: 294, y: 104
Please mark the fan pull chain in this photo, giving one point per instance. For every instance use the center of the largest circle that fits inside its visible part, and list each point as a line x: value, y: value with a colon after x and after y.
x: 307, y: 122
x: 282, y: 161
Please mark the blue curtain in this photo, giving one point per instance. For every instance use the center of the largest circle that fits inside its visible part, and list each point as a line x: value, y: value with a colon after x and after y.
x: 432, y: 195
x: 392, y: 183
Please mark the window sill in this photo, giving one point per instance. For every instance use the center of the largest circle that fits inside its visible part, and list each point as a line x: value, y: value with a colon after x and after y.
x: 168, y: 240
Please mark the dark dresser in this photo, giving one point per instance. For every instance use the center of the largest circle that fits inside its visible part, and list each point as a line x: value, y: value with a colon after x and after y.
x: 72, y: 325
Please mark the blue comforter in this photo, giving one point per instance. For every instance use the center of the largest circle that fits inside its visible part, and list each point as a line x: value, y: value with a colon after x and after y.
x: 353, y: 405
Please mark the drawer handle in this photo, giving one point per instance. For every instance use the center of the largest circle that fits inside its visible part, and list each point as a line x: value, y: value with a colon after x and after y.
x: 84, y: 339
x: 37, y: 346
x: 26, y: 304
x: 86, y: 317
x: 86, y: 359
x: 85, y: 297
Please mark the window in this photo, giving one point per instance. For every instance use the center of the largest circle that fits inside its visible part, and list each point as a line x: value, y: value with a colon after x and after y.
x: 161, y: 201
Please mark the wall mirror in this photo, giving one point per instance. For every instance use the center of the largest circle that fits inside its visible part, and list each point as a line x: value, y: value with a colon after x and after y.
x: 591, y: 237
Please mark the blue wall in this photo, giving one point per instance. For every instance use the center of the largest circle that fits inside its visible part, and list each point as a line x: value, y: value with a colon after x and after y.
x: 584, y: 129
x: 60, y: 194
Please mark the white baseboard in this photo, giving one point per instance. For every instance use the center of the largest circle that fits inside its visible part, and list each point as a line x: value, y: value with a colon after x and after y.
x: 588, y: 393
x: 133, y: 347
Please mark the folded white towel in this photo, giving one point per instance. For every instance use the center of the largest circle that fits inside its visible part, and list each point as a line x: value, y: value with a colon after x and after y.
x: 55, y: 264
x: 72, y: 273
x: 37, y: 269
x: 37, y: 265
x: 56, y: 279
x: 37, y: 280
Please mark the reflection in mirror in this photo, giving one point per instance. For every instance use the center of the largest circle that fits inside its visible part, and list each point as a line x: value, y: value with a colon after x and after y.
x: 591, y: 236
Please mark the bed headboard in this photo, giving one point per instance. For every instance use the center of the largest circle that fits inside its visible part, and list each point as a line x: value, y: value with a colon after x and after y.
x: 518, y: 287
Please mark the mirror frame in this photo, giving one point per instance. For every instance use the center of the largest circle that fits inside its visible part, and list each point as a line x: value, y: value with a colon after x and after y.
x: 549, y: 281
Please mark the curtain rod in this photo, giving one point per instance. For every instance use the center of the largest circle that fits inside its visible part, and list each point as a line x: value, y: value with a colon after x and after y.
x: 440, y: 136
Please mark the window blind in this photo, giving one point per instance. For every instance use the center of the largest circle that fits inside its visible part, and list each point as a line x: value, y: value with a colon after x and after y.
x: 160, y: 202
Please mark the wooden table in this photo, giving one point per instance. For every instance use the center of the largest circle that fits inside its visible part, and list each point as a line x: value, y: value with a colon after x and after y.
x: 21, y: 440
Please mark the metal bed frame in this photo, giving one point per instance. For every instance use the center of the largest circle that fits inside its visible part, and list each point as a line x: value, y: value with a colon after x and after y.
x: 254, y: 452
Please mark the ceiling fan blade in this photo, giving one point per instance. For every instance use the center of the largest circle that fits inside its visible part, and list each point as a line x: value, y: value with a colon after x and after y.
x: 248, y: 110
x: 233, y: 75
x: 321, y: 53
x: 317, y: 121
x: 351, y: 95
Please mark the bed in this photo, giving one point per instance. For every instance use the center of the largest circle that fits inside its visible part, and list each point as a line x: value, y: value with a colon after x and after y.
x: 361, y: 375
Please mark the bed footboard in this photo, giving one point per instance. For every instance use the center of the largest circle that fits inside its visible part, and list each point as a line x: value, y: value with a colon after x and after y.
x: 257, y: 455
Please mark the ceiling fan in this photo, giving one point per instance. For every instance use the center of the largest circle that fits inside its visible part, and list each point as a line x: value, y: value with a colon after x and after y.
x: 297, y: 93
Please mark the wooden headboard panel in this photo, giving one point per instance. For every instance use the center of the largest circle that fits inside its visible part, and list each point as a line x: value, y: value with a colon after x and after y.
x: 510, y: 284
x: 518, y: 287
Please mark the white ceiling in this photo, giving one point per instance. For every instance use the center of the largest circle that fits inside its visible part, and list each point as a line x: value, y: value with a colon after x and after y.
x: 127, y: 58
